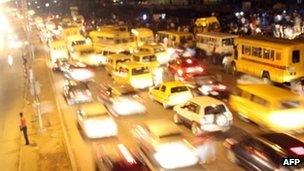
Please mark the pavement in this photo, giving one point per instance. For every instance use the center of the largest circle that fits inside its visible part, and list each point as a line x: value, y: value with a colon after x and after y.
x: 47, y: 149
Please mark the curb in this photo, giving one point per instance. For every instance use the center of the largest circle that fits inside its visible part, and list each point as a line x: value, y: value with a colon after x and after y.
x: 67, y: 142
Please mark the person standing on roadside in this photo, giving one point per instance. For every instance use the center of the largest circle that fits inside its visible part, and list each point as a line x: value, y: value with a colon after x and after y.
x: 23, y: 128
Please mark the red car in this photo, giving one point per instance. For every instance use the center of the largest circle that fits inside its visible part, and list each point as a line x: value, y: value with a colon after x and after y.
x: 186, y: 68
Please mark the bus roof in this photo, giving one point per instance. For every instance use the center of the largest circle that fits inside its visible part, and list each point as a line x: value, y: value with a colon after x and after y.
x: 176, y: 32
x: 268, y: 91
x: 142, y: 31
x: 217, y: 35
x: 75, y: 37
x: 111, y: 33
x: 269, y: 40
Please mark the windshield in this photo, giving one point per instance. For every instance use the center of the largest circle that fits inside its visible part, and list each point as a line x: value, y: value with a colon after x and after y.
x: 228, y: 42
x: 122, y: 60
x: 140, y: 70
x: 151, y: 58
x: 289, y: 104
x: 218, y: 109
x: 159, y: 49
x: 179, y: 89
x: 85, y: 52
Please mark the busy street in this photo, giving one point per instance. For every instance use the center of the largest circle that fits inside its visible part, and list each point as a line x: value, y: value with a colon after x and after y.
x: 155, y: 90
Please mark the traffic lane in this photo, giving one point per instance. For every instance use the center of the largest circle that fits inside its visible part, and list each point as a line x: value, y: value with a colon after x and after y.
x: 156, y: 111
x: 81, y: 147
x: 11, y: 103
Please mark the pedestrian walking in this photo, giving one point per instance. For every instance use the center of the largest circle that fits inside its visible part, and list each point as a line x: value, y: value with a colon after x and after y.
x: 23, y: 128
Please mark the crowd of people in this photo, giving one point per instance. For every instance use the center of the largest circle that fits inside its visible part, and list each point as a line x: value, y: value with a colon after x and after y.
x: 283, y: 24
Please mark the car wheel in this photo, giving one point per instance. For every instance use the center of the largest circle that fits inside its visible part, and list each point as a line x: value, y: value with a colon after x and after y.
x: 231, y: 156
x: 195, y: 129
x: 166, y: 106
x: 176, y: 119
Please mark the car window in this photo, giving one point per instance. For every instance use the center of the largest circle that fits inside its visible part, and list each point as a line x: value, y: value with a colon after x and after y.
x: 218, y: 109
x: 163, y: 88
x: 179, y: 89
x: 259, y: 100
x: 192, y: 107
x: 289, y: 104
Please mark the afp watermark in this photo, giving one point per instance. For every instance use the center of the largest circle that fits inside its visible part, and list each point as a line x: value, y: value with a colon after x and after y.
x: 291, y: 162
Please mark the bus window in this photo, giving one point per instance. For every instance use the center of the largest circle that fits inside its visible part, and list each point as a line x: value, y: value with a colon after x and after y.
x: 256, y: 51
x: 278, y: 55
x: 268, y: 54
x: 227, y: 42
x: 295, y: 56
x: 246, y: 50
x: 259, y: 100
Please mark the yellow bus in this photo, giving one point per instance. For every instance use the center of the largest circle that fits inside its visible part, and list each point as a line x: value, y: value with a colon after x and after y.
x: 114, y: 41
x: 269, y: 106
x: 136, y: 74
x: 207, y: 24
x: 269, y: 58
x: 143, y: 36
x: 175, y: 38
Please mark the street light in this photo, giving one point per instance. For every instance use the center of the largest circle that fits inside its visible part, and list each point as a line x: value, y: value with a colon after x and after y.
x: 47, y: 5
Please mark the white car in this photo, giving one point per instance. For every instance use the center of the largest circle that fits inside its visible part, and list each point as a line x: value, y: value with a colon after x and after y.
x: 76, y: 92
x: 162, y: 147
x: 95, y: 122
x: 204, y: 114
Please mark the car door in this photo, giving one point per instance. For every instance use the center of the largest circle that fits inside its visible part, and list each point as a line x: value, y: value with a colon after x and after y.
x: 257, y: 109
x: 189, y: 112
x: 162, y: 94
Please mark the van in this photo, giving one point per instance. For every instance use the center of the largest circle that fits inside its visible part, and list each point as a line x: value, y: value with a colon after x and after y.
x: 114, y: 59
x: 162, y: 54
x: 143, y: 36
x: 176, y: 38
x: 136, y: 74
x: 216, y: 45
x: 269, y: 107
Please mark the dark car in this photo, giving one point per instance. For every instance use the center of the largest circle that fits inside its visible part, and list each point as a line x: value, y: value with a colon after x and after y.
x: 185, y: 68
x: 208, y: 85
x: 265, y: 152
x: 76, y: 92
x: 111, y: 155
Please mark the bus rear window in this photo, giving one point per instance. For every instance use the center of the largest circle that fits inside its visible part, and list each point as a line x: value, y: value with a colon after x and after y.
x: 295, y: 56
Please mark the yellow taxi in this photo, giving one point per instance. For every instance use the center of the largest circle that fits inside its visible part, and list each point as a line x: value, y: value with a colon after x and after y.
x: 146, y: 58
x: 136, y: 74
x: 162, y: 54
x: 270, y: 107
x: 114, y: 59
x: 171, y: 93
